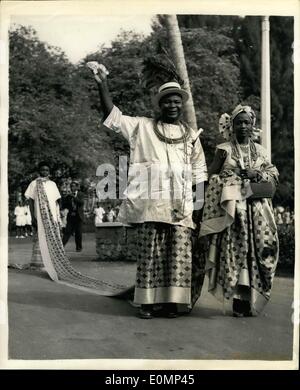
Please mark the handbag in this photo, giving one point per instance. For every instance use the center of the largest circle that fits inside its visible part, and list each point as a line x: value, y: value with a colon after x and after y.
x: 262, y: 190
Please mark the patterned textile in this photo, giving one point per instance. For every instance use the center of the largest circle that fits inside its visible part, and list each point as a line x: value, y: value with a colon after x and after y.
x: 164, y: 265
x: 198, y: 266
x: 55, y: 260
x: 243, y: 249
x: 36, y: 259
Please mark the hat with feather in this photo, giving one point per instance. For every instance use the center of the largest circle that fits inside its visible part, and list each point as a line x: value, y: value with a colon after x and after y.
x: 160, y: 73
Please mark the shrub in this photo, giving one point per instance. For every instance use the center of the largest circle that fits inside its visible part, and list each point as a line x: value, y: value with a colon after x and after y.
x: 286, y: 234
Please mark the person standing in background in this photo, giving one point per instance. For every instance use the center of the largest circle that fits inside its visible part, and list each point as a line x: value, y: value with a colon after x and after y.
x: 20, y: 220
x: 99, y: 213
x: 74, y: 202
x: 42, y: 193
x: 111, y: 215
x: 28, y: 218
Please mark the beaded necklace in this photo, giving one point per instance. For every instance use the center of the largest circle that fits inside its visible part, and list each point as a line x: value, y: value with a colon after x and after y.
x: 248, y: 149
x: 246, y: 155
x: 177, y: 214
x: 164, y: 138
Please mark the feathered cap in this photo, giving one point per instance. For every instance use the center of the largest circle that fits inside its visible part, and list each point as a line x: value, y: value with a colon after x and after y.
x: 160, y: 73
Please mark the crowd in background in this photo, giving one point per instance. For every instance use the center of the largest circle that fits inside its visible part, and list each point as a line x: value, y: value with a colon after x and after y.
x: 95, y: 211
x: 285, y: 220
x: 283, y: 216
x: 23, y: 220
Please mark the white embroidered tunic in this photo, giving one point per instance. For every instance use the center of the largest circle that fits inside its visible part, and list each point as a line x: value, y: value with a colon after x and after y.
x: 52, y: 194
x: 161, y: 174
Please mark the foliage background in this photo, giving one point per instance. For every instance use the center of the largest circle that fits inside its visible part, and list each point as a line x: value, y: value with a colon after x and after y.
x: 55, y: 113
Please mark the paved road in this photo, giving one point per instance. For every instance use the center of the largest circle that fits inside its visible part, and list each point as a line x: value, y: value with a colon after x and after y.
x: 52, y: 321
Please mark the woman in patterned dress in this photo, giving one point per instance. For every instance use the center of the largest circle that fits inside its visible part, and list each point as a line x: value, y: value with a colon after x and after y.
x: 243, y: 241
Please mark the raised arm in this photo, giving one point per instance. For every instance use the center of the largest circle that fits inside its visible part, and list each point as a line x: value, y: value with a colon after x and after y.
x: 100, y: 75
x: 113, y: 117
x: 105, y: 98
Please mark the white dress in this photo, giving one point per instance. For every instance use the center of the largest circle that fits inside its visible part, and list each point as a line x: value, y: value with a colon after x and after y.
x: 20, y: 216
x: 28, y: 215
x: 99, y: 214
x: 111, y: 215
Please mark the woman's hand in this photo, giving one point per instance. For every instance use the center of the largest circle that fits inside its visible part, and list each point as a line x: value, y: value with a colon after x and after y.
x: 250, y: 174
x: 237, y: 171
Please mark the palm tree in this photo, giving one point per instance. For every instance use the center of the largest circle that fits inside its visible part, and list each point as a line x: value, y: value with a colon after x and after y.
x: 171, y: 24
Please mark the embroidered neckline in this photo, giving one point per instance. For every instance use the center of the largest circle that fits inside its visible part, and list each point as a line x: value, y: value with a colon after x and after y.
x: 43, y: 179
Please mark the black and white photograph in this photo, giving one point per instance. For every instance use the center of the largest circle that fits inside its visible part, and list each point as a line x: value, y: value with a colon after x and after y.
x: 148, y: 185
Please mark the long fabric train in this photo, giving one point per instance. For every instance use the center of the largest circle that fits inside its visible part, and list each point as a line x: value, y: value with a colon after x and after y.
x: 50, y: 249
x: 57, y: 263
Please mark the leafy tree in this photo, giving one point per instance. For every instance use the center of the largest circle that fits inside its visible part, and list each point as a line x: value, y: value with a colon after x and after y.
x: 49, y: 113
x: 54, y: 105
x: 246, y: 34
x: 212, y: 68
x: 210, y: 22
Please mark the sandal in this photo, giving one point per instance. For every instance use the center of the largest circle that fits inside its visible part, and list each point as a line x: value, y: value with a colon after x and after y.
x: 171, y: 310
x: 145, y: 313
x: 237, y: 314
x: 241, y: 308
x: 172, y: 314
x: 165, y: 310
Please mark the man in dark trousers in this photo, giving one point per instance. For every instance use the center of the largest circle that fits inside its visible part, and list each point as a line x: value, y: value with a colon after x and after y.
x: 74, y: 203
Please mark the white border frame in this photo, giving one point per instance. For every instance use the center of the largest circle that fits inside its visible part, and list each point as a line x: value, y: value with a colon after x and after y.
x: 104, y: 7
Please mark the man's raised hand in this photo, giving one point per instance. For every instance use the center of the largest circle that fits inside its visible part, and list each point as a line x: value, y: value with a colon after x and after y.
x: 99, y: 70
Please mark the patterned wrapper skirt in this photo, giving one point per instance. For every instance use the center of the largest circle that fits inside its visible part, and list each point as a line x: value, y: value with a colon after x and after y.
x: 242, y: 258
x: 165, y: 270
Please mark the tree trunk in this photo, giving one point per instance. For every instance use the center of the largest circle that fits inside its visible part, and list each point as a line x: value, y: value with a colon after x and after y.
x: 177, y: 52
